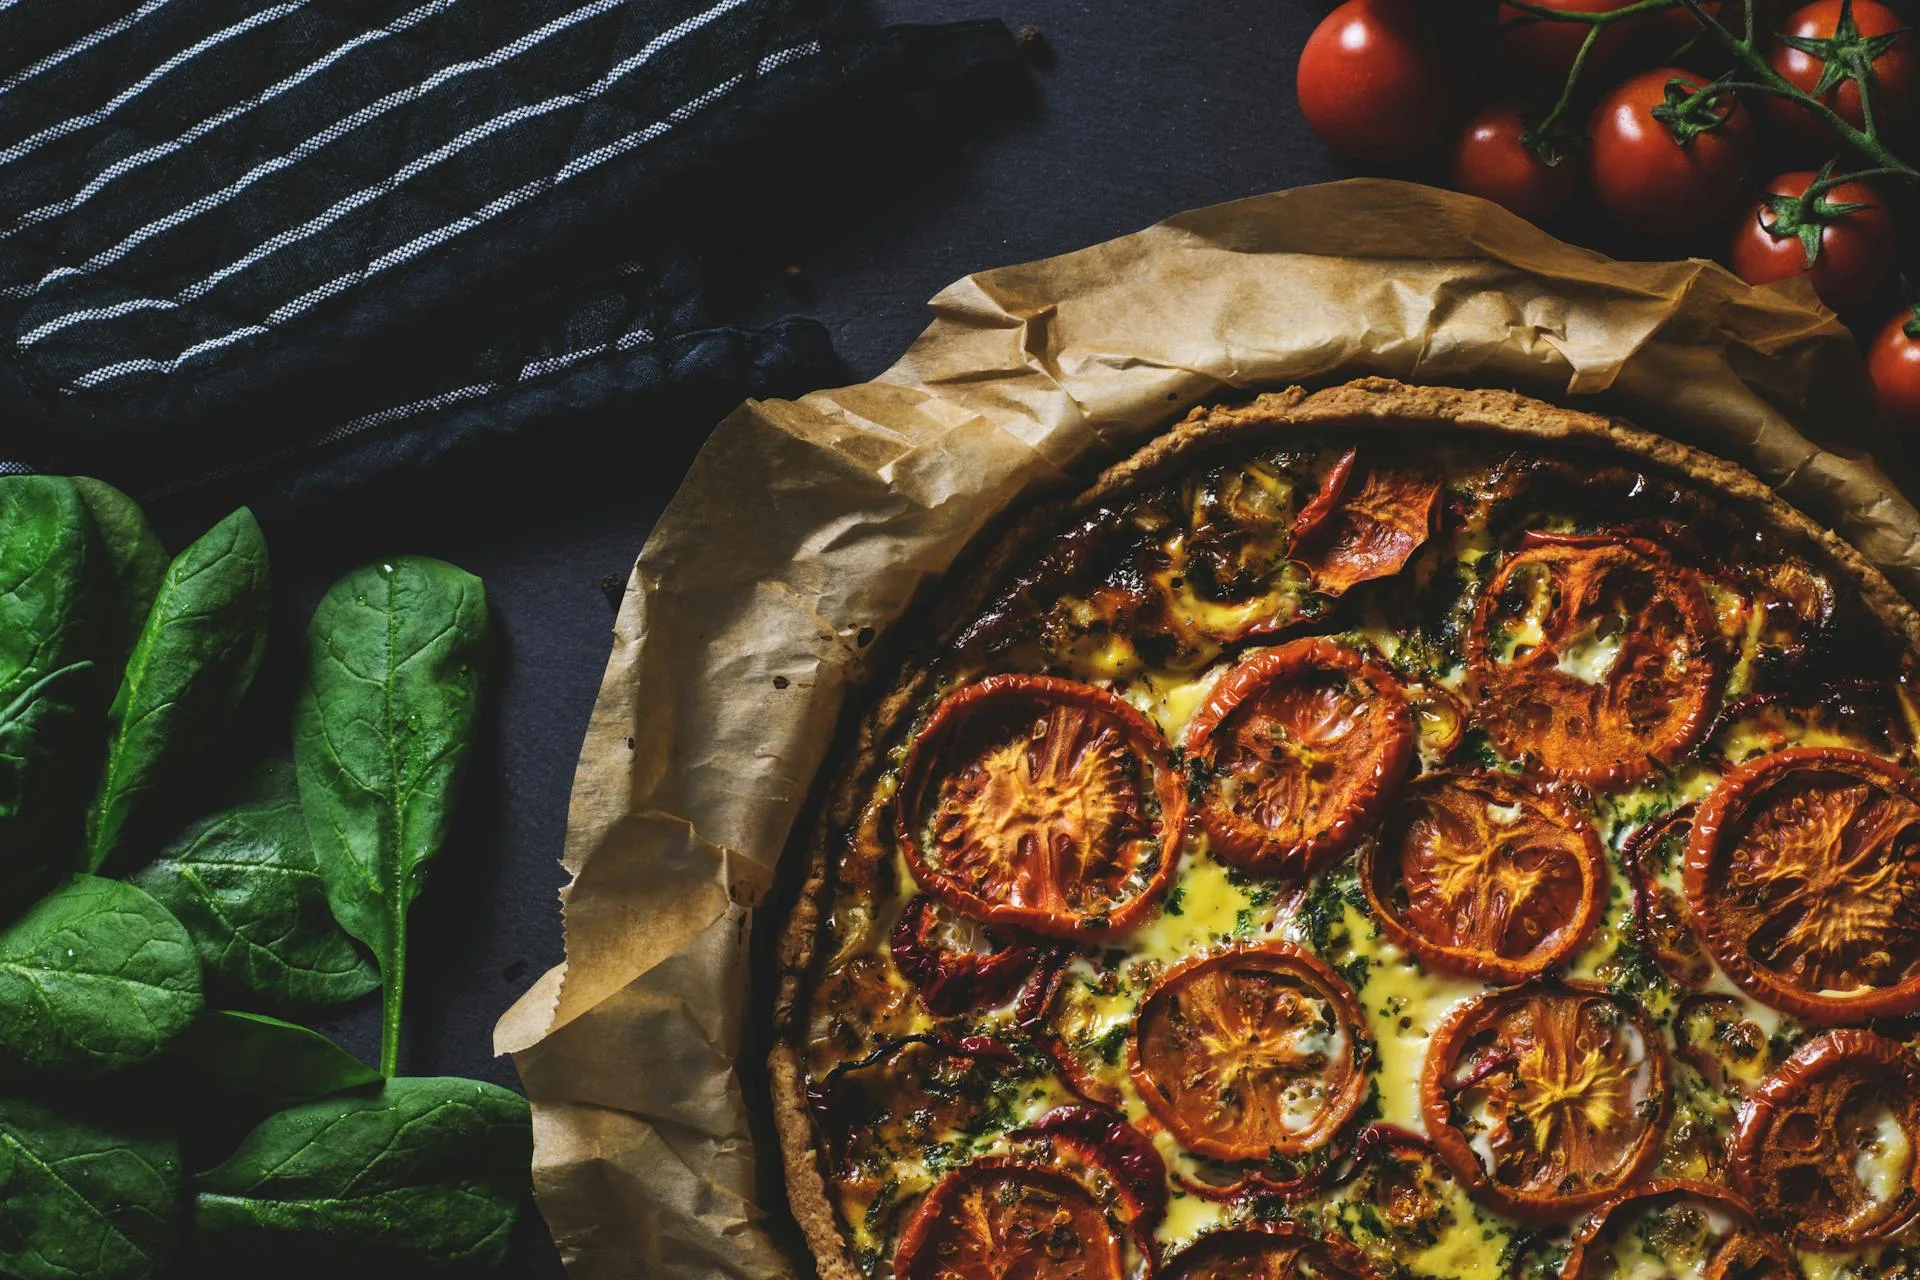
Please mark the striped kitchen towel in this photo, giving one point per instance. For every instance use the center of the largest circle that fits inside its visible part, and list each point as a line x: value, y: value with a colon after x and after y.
x: 236, y: 234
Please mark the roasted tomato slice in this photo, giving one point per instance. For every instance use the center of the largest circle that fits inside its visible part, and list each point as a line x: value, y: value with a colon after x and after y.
x: 1039, y: 802
x: 1300, y: 746
x: 1673, y: 1227
x: 1803, y: 876
x: 1860, y: 714
x: 1594, y: 659
x: 1545, y: 1100
x: 1479, y: 874
x: 1651, y: 856
x: 1116, y: 1160
x: 1367, y: 520
x: 1714, y: 1036
x: 1828, y: 1147
x: 1250, y: 1053
x: 1281, y: 1251
x: 957, y: 964
x: 998, y: 1218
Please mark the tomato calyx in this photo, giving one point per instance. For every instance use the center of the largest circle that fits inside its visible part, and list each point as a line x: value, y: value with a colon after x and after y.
x: 1912, y: 325
x: 1689, y: 111
x: 953, y: 981
x: 1844, y: 55
x: 1809, y: 214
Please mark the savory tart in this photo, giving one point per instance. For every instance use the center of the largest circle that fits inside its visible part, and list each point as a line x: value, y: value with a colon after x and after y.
x: 1386, y: 832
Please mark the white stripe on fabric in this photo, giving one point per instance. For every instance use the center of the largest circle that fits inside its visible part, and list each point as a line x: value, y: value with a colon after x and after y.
x: 326, y: 137
x: 491, y: 210
x: 33, y: 142
x: 529, y: 371
x: 367, y: 195
x: 83, y: 44
x: 139, y: 159
x: 124, y: 367
x: 505, y: 203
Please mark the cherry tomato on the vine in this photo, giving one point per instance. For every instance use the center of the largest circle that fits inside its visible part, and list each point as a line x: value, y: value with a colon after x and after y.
x: 1646, y: 176
x: 1894, y: 362
x: 1491, y: 161
x: 1812, y: 53
x: 1847, y: 230
x: 1372, y: 83
x: 1543, y: 49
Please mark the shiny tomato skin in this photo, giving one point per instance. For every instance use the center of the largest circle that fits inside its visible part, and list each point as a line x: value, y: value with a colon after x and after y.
x: 1649, y: 183
x: 1490, y: 162
x: 1857, y: 255
x: 1544, y: 50
x: 1896, y: 74
x: 1894, y: 363
x: 1371, y: 82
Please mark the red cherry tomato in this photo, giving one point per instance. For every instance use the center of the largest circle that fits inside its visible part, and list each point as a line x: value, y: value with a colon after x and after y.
x: 1543, y: 49
x: 1856, y: 246
x: 1894, y: 362
x: 1879, y: 34
x: 1489, y: 161
x: 1371, y: 82
x: 1651, y: 182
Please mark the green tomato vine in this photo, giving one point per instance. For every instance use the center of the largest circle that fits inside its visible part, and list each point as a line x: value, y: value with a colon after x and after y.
x: 1690, y: 110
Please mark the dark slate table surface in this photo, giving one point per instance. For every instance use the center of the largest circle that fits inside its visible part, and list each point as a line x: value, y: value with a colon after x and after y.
x: 1142, y: 110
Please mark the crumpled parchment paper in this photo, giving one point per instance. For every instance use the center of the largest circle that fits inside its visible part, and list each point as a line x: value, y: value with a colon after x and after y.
x: 805, y: 530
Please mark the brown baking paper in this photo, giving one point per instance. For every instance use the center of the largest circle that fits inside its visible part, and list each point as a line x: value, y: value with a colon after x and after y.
x: 805, y: 529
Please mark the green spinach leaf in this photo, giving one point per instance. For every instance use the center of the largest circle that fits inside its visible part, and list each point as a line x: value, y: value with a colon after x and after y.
x: 134, y: 553
x: 431, y: 1172
x: 53, y: 588
x: 245, y: 884
x: 81, y: 1201
x: 196, y: 656
x: 381, y: 738
x: 247, y: 1057
x: 93, y: 978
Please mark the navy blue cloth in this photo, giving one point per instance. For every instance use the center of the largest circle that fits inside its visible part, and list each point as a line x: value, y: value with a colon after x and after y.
x: 281, y: 247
